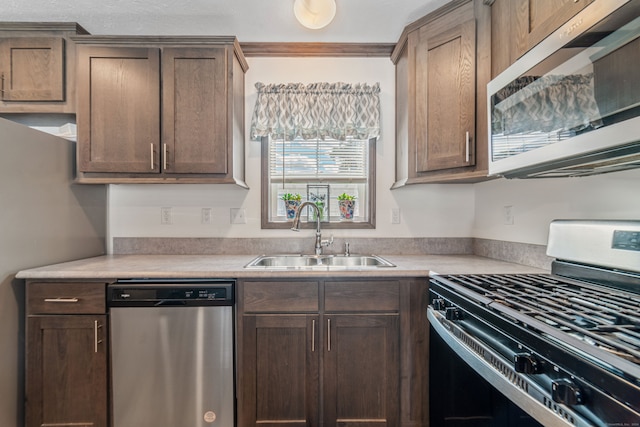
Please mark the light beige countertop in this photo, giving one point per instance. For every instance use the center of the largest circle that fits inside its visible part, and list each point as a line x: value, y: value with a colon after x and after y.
x: 231, y: 267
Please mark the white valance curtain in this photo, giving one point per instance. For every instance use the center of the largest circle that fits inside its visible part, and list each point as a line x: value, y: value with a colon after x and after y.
x: 316, y: 110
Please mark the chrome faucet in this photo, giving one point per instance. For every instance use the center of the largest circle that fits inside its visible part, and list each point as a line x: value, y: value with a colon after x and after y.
x: 296, y: 226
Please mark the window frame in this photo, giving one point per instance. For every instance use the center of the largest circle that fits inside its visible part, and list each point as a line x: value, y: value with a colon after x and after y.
x: 264, y: 202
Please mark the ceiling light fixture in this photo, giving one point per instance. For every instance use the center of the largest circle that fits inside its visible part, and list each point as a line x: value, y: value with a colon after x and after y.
x: 314, y: 14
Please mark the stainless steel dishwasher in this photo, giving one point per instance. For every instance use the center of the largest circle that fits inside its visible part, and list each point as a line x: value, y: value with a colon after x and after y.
x: 172, y: 353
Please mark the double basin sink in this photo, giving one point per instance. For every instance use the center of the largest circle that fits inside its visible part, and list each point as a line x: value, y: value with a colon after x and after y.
x: 318, y: 262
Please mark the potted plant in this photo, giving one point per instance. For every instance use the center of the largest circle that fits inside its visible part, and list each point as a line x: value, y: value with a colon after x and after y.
x: 291, y: 204
x: 319, y: 200
x: 346, y: 203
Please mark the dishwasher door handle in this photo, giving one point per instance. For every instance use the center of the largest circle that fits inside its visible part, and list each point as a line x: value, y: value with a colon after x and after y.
x: 170, y: 303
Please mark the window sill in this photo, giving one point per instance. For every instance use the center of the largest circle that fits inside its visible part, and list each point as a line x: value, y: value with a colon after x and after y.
x: 343, y: 225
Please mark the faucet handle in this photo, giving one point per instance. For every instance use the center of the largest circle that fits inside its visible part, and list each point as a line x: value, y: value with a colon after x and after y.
x: 327, y: 242
x: 346, y: 249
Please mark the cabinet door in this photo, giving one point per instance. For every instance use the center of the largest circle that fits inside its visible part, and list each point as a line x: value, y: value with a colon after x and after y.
x: 536, y: 19
x: 280, y: 363
x: 66, y: 370
x: 118, y: 109
x: 32, y: 69
x: 503, y: 47
x: 194, y: 110
x: 445, y: 97
x: 361, y: 370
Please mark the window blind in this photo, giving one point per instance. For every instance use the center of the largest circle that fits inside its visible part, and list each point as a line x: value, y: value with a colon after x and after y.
x: 318, y: 160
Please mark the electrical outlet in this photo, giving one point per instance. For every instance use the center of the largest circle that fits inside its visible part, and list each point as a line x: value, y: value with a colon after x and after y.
x: 238, y: 216
x: 205, y: 217
x: 395, y: 215
x: 166, y: 216
x: 508, y: 215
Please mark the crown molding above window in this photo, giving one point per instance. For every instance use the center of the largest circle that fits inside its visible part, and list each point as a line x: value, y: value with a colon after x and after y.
x: 318, y: 49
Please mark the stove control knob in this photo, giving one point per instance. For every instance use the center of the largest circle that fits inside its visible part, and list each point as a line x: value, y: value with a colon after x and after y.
x: 526, y: 363
x: 438, y: 304
x: 566, y: 392
x: 453, y: 313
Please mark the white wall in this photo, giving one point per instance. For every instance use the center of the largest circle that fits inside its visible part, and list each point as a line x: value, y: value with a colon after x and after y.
x: 426, y: 211
x: 535, y: 203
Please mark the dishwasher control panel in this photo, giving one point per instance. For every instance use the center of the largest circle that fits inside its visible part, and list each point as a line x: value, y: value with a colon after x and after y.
x: 154, y: 293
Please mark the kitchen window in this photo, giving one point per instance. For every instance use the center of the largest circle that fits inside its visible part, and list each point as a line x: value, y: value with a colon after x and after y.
x: 319, y: 171
x: 318, y: 143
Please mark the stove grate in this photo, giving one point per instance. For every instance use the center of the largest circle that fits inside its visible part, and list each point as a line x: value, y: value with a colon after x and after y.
x: 603, y: 317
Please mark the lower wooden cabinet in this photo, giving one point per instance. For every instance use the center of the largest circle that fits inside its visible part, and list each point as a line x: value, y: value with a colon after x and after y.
x: 281, y: 366
x: 361, y: 370
x: 66, y: 355
x: 66, y: 371
x: 340, y: 357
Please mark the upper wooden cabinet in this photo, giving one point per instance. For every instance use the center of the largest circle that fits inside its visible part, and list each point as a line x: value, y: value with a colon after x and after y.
x: 519, y: 25
x: 442, y: 68
x: 34, y: 69
x: 194, y: 111
x: 445, y: 84
x: 160, y: 109
x: 118, y: 109
x: 37, y: 67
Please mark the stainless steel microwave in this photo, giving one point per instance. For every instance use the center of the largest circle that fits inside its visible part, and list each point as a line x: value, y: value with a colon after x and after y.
x: 571, y: 105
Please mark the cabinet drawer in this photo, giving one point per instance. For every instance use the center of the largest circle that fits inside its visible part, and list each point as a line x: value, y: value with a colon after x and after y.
x: 280, y: 297
x: 369, y: 296
x: 66, y: 298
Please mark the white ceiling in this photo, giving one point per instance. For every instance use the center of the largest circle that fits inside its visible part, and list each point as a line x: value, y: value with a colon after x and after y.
x: 356, y: 21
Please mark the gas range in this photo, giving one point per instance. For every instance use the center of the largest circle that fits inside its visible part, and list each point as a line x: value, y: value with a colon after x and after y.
x: 565, y: 346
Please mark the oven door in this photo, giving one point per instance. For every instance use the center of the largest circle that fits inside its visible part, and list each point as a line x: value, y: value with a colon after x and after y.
x: 467, y: 338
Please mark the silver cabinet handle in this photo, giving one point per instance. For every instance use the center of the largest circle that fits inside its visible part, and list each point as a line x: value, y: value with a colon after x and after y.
x: 164, y: 156
x: 62, y: 300
x: 328, y: 334
x: 2, y: 86
x: 467, y: 148
x: 151, y: 146
x: 313, y: 335
x: 96, y: 341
